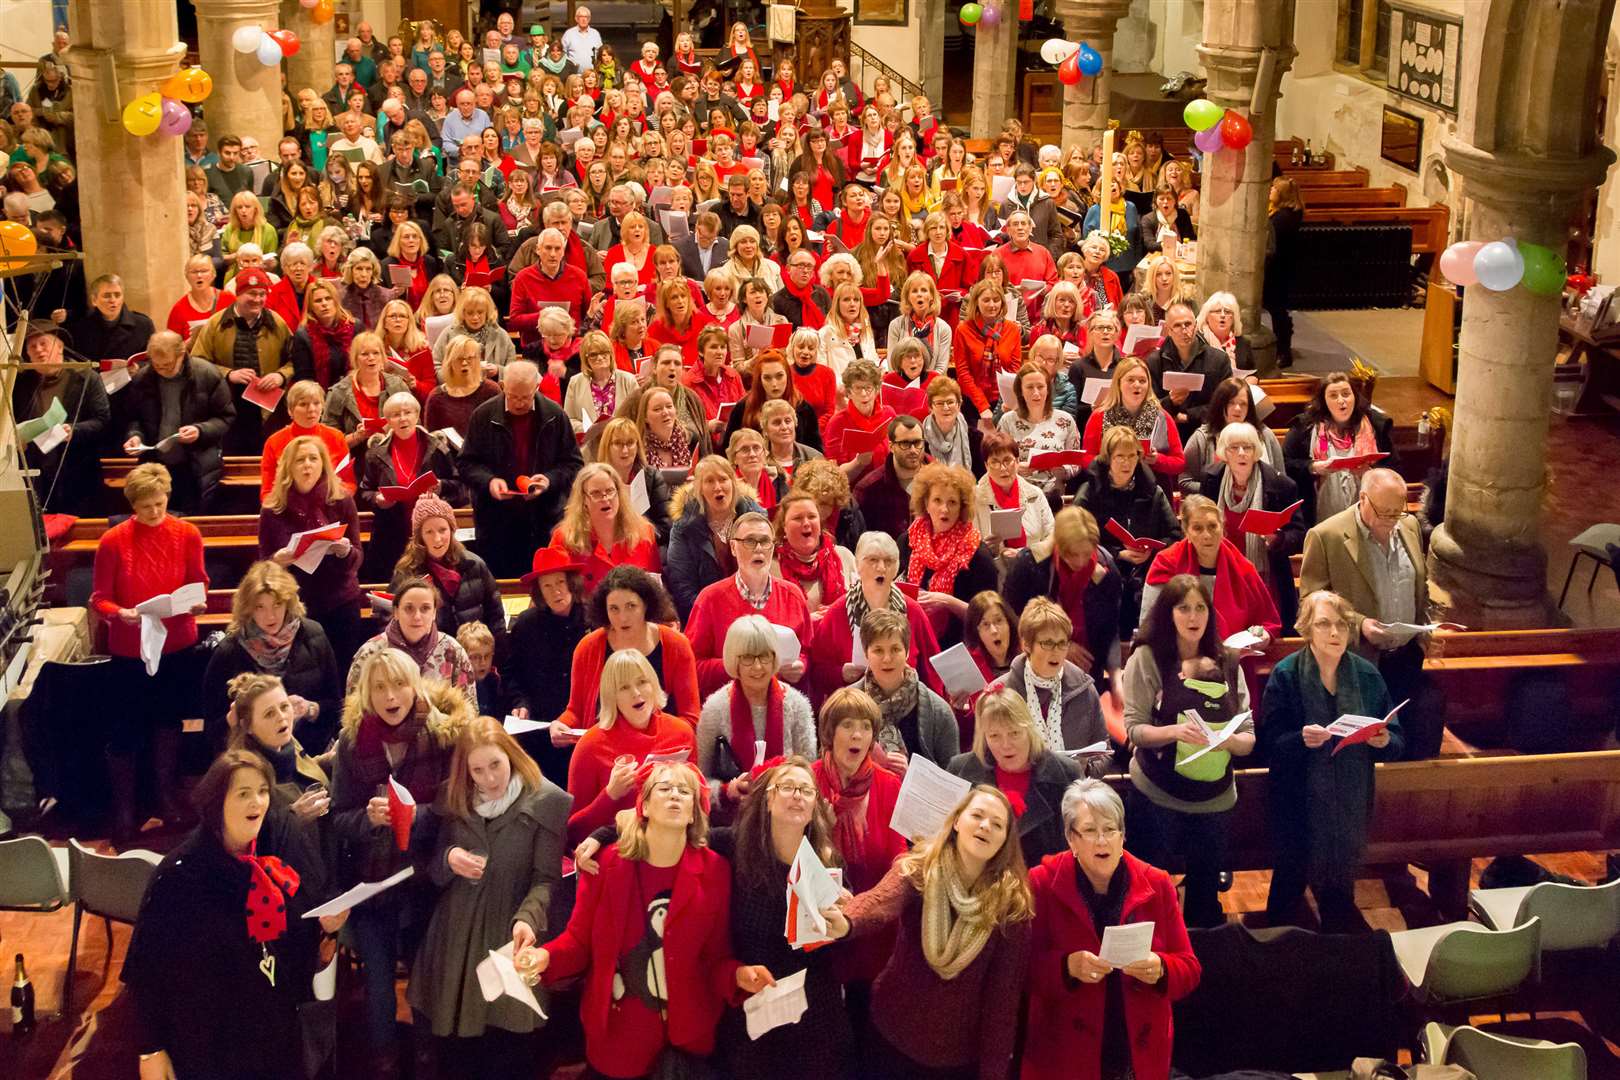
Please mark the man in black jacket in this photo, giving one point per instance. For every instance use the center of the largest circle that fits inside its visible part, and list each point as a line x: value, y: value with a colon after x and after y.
x: 1186, y: 352
x: 519, y: 434
x: 110, y: 330
x: 179, y: 409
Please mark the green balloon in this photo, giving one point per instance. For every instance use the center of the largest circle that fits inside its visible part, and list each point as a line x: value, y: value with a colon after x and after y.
x: 1202, y: 114
x: 1544, y: 270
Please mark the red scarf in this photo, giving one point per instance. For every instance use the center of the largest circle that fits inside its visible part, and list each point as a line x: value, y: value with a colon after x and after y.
x: 848, y: 802
x: 812, y: 316
x: 1008, y: 500
x: 946, y: 553
x: 743, y: 734
x: 270, y: 882
x: 824, y: 567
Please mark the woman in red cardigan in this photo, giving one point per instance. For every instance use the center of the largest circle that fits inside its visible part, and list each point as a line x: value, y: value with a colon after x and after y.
x: 630, y: 610
x: 986, y: 342
x: 1242, y: 599
x: 629, y: 723
x: 600, y: 528
x: 1071, y: 1000
x: 149, y: 555
x: 1130, y: 402
x: 652, y: 933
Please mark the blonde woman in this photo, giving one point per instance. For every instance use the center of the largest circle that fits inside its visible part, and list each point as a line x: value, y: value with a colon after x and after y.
x: 601, y: 528
x: 463, y: 386
x: 961, y: 909
x: 596, y: 392
x: 477, y: 317
x: 846, y: 336
x: 246, y: 225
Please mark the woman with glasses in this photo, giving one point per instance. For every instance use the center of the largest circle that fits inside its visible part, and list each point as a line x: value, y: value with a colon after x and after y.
x: 1182, y: 686
x: 1320, y: 797
x: 1098, y: 1020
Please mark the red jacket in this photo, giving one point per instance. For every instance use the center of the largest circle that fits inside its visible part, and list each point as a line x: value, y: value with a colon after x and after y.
x: 720, y: 604
x: 700, y: 971
x: 1068, y: 1014
x: 532, y: 287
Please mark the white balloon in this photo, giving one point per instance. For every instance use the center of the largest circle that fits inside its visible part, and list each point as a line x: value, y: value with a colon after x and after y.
x: 246, y: 39
x: 1056, y: 50
x: 268, y: 51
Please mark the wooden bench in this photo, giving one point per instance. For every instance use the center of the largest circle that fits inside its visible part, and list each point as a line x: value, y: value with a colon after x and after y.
x: 1430, y: 225
x: 1337, y: 198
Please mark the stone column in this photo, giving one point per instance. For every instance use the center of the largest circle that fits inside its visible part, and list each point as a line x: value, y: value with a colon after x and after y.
x: 994, y: 72
x: 316, y: 60
x: 1247, y: 47
x: 247, y: 94
x: 1487, y: 568
x: 1086, y: 104
x: 131, y: 190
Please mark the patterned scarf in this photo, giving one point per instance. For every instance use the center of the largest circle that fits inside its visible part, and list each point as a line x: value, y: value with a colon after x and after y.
x: 270, y: 883
x: 946, y: 553
x: 955, y: 925
x: 269, y: 651
x: 823, y: 567
x: 848, y: 798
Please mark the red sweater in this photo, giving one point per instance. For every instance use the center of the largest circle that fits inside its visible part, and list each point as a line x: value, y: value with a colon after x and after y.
x: 585, y: 678
x: 136, y: 562
x: 592, y: 764
x: 720, y: 604
x: 700, y: 973
x: 532, y: 287
x: 642, y: 553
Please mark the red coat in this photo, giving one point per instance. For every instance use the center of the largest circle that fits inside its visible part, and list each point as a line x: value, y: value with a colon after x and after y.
x: 1069, y: 1014
x: 720, y: 604
x: 700, y: 971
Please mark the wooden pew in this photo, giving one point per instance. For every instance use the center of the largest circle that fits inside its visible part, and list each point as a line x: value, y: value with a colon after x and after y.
x: 1336, y: 198
x: 1313, y: 178
x: 1429, y: 224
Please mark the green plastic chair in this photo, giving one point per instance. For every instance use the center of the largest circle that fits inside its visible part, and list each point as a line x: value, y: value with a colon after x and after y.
x: 1463, y: 961
x: 1572, y: 916
x: 1498, y: 1057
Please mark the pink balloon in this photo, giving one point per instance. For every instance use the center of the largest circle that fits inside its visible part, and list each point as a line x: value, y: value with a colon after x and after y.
x: 176, y: 118
x: 1209, y: 140
x: 1457, y: 262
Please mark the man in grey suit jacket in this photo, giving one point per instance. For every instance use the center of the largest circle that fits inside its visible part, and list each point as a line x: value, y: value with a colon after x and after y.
x: 704, y: 249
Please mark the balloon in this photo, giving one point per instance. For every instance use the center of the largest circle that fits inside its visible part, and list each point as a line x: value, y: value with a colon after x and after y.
x: 143, y: 115
x: 990, y: 16
x: 1055, y: 50
x: 1209, y: 140
x: 1201, y: 114
x: 1543, y: 270
x: 17, y: 241
x: 286, y: 41
x: 1235, y: 130
x: 246, y: 39
x: 1091, y: 61
x: 1069, y: 71
x: 1457, y: 262
x: 269, y: 52
x: 176, y: 118
x: 321, y: 12
x: 970, y: 13
x: 1499, y: 265
x: 190, y: 85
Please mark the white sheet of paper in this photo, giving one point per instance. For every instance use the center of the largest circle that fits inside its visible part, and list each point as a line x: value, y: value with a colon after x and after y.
x: 957, y: 670
x: 927, y: 796
x: 1004, y: 385
x: 50, y: 439
x: 1217, y: 736
x: 1007, y: 524
x: 1137, y: 333
x: 358, y: 895
x: 815, y: 890
x: 787, y: 645
x: 639, y: 500
x: 776, y: 1006
x: 1190, y: 381
x: 1126, y: 943
x: 1093, y: 390
x: 498, y: 976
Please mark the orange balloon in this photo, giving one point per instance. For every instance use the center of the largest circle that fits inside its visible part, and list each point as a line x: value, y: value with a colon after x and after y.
x: 322, y: 12
x: 16, y: 243
x: 190, y: 85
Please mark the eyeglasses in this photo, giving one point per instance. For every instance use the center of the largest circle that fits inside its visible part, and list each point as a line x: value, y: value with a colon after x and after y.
x: 1098, y: 836
x: 801, y: 790
x: 757, y: 543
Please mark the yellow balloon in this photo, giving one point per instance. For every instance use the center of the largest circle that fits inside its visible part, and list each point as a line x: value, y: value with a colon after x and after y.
x: 190, y: 85
x: 17, y: 242
x: 142, y: 116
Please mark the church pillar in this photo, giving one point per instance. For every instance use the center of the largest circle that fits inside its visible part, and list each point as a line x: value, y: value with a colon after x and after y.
x: 1487, y: 568
x: 1247, y: 47
x: 131, y: 190
x: 247, y: 94
x: 1086, y: 103
x: 316, y: 60
x: 995, y: 73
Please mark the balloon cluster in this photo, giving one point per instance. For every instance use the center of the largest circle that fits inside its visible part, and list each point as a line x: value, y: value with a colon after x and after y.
x: 1074, y: 60
x: 1499, y: 265
x: 1215, y: 128
x: 269, y: 47
x: 167, y: 111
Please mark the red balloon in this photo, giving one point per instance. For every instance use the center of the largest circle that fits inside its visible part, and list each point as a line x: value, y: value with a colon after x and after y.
x: 287, y: 40
x: 1069, y: 71
x: 1236, y: 132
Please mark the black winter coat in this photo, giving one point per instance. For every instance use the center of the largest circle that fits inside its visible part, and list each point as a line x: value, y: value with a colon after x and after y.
x: 205, y: 401
x: 311, y: 673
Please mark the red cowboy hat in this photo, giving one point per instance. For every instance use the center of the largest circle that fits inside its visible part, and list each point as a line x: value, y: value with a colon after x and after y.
x: 549, y: 560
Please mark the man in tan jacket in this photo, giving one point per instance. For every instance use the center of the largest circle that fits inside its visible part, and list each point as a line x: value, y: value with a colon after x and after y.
x: 1371, y: 554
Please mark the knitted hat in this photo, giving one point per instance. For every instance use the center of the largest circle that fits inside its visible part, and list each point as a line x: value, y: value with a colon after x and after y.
x: 431, y: 506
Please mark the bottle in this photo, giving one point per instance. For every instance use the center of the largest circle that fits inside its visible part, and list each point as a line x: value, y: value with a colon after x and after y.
x: 22, y: 1001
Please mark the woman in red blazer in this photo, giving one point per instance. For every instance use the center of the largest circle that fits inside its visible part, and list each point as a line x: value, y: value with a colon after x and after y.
x: 1069, y: 989
x: 651, y: 934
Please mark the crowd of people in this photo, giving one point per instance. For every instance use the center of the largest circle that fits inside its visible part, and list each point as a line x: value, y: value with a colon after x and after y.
x: 770, y: 393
